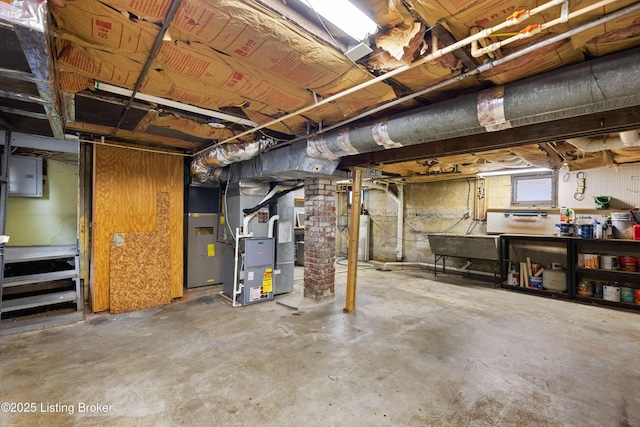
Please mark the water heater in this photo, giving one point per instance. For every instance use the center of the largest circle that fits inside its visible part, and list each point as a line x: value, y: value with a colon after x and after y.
x: 363, y: 238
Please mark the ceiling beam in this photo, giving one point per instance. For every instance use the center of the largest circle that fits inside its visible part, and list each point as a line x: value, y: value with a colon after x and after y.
x: 448, y: 39
x: 588, y: 125
x: 132, y: 138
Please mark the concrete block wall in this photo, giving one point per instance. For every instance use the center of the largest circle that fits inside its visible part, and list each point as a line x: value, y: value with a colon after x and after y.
x: 434, y: 207
x: 320, y: 238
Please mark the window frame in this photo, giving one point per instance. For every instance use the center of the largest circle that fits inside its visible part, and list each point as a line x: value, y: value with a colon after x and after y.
x: 529, y: 176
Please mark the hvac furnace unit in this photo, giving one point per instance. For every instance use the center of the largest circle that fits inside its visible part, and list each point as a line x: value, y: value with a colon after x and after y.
x: 255, y: 272
x: 238, y: 197
x: 204, y: 253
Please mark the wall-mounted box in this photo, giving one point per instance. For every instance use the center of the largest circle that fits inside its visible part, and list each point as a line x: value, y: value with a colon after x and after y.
x: 25, y: 176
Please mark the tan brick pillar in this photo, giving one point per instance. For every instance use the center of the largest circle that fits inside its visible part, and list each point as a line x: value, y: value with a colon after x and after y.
x: 319, y: 238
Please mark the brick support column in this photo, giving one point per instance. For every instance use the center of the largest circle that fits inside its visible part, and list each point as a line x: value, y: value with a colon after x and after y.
x: 319, y: 238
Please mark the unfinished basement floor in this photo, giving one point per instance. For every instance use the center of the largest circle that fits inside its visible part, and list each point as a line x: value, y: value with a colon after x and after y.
x: 418, y: 352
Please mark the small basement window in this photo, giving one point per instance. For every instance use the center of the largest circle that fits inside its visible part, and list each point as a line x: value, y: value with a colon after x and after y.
x: 538, y: 189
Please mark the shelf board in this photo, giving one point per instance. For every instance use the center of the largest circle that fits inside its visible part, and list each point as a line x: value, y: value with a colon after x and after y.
x: 537, y: 291
x: 38, y: 301
x: 631, y: 274
x: 37, y: 253
x: 38, y: 278
x: 609, y: 303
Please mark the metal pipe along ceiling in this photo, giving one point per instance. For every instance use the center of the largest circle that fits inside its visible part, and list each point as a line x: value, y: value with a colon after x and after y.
x: 469, y: 114
x: 600, y: 85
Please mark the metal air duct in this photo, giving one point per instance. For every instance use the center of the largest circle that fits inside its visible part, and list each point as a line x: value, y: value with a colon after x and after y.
x: 604, y: 84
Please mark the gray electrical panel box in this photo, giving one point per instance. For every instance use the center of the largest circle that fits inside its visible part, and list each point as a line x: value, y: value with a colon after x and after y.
x: 204, y: 255
x: 25, y: 176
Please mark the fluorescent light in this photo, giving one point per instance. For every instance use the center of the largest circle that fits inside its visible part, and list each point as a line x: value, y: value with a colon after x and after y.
x: 344, y: 15
x: 216, y: 123
x: 513, y: 171
x: 174, y: 104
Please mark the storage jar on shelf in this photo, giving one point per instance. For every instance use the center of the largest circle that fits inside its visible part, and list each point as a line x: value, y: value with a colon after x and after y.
x: 585, y: 288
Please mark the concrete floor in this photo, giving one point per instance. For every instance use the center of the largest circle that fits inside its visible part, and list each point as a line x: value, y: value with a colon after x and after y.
x: 416, y: 353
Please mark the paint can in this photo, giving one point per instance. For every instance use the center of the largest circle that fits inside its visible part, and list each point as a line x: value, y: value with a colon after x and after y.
x: 628, y: 263
x: 598, y: 286
x: 611, y: 293
x: 585, y: 288
x: 591, y: 260
x: 609, y: 262
x: 535, y: 282
x: 626, y: 294
x: 636, y: 296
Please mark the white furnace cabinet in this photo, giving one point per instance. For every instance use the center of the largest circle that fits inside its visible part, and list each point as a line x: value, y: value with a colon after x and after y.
x: 204, y: 253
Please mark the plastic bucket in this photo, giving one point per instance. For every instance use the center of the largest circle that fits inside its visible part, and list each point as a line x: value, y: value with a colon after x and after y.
x: 611, y: 293
x: 622, y: 225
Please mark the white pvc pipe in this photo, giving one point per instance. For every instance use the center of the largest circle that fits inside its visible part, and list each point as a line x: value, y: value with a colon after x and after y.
x: 272, y: 220
x: 236, y: 292
x: 399, y: 199
x: 428, y: 58
x: 592, y: 145
x: 400, y: 232
x: 535, y: 29
x: 245, y: 225
x: 485, y: 67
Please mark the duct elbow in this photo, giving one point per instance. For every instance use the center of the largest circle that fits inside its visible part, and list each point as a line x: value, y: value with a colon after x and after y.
x: 630, y: 138
x: 199, y: 172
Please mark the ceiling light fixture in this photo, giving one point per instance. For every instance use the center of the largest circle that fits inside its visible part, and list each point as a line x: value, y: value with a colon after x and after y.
x: 174, y: 104
x: 216, y: 123
x: 513, y: 171
x: 344, y: 15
